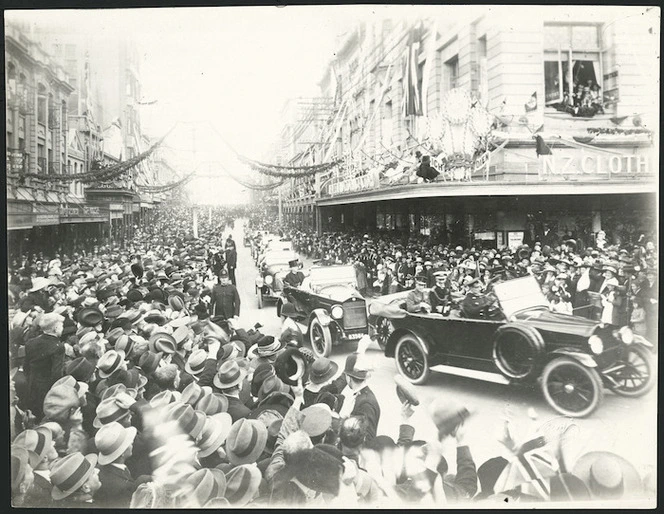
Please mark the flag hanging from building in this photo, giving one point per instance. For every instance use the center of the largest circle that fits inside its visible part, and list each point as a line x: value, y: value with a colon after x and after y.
x: 412, y: 93
x: 541, y: 147
x: 531, y: 104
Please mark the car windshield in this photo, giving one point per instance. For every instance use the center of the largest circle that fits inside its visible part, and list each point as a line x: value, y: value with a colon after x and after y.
x: 329, y: 275
x: 279, y: 258
x: 518, y: 295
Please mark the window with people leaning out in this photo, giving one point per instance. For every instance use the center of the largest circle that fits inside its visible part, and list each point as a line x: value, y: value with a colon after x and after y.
x: 574, y: 67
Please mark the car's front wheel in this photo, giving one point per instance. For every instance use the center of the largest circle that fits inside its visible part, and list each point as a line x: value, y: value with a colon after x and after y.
x: 633, y: 373
x: 320, y: 338
x: 412, y: 360
x: 571, y: 388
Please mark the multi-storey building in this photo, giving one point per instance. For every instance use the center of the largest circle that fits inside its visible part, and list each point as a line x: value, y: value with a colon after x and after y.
x: 38, y: 93
x: 504, y: 118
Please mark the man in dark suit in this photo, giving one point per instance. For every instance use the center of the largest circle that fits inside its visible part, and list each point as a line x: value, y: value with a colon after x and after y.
x: 225, y: 298
x: 231, y: 260
x: 228, y: 380
x: 115, y: 443
x: 358, y: 399
x: 44, y: 361
x: 295, y: 277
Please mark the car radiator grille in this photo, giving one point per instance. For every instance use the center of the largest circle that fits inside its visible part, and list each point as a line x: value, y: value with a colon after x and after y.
x: 355, y: 314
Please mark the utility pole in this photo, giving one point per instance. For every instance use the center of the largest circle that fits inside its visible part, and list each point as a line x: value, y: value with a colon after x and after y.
x: 195, y: 211
x: 280, y: 209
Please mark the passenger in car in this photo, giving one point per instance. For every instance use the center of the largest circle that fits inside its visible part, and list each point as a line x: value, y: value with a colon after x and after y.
x: 295, y: 277
x: 476, y: 303
x: 439, y: 295
x: 418, y: 299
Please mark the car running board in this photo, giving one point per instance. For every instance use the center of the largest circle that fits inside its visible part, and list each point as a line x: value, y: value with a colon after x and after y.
x: 470, y: 373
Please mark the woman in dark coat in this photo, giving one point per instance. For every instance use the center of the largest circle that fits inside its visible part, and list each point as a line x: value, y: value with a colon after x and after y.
x: 44, y: 361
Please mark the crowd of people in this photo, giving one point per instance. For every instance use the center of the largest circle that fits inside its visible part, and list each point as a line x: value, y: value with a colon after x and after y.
x: 134, y: 385
x: 616, y: 284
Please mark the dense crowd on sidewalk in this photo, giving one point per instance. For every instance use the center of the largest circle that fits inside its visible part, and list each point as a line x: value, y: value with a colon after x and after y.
x: 134, y: 385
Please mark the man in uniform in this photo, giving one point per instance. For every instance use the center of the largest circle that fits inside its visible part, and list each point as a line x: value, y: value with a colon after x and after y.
x: 418, y: 299
x: 225, y: 298
x: 439, y: 294
x: 295, y: 277
x: 475, y: 304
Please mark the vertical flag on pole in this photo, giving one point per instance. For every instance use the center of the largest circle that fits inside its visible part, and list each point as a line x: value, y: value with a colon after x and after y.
x: 429, y: 64
x: 412, y: 93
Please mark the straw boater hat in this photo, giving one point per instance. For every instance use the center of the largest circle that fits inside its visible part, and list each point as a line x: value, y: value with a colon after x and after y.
x: 36, y: 441
x: 110, y: 362
x: 608, y: 475
x: 112, y: 440
x: 69, y: 473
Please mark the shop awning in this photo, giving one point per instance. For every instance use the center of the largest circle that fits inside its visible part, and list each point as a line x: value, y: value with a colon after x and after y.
x: 461, y: 189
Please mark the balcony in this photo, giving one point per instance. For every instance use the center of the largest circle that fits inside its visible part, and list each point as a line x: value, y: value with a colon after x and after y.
x: 18, y: 161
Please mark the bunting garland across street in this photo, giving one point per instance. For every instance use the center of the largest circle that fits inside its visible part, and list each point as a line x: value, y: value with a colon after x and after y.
x: 282, y: 171
x: 167, y: 187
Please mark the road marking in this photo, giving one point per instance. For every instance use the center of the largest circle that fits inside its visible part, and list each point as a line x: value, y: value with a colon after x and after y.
x: 469, y: 373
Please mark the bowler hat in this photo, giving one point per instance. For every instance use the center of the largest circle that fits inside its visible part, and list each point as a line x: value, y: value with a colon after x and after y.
x: 353, y: 370
x: 69, y: 473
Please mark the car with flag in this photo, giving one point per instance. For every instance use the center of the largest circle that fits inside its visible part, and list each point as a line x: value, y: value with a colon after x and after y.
x: 329, y: 306
x: 570, y: 358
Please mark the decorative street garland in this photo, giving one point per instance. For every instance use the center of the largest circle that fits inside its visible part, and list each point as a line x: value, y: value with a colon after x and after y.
x: 167, y: 187
x: 299, y: 171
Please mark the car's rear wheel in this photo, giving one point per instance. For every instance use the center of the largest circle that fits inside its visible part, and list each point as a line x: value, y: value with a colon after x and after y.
x: 633, y: 373
x: 320, y: 338
x: 571, y: 388
x: 384, y: 328
x: 412, y: 360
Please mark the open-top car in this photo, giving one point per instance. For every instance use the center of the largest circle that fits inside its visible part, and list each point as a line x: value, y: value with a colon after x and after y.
x: 329, y: 305
x: 523, y: 342
x: 273, y: 268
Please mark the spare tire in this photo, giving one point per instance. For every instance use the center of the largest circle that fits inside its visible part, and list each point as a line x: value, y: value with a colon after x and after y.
x: 515, y: 350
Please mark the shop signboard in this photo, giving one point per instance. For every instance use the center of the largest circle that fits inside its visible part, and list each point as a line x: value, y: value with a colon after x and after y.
x: 590, y: 163
x: 485, y: 236
x: 47, y: 219
x: 514, y: 239
x: 116, y: 207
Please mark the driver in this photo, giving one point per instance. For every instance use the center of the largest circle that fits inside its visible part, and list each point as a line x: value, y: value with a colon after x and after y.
x: 295, y: 277
x: 476, y: 304
x: 418, y: 299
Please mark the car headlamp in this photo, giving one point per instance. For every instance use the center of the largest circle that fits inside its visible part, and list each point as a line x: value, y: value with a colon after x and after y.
x: 337, y: 312
x: 596, y: 344
x: 626, y: 335
x: 268, y: 279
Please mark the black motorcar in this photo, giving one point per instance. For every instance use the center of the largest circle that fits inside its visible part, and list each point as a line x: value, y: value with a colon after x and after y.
x: 571, y: 357
x: 329, y: 306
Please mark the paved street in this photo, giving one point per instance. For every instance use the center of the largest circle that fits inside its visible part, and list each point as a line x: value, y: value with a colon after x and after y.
x: 617, y: 424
